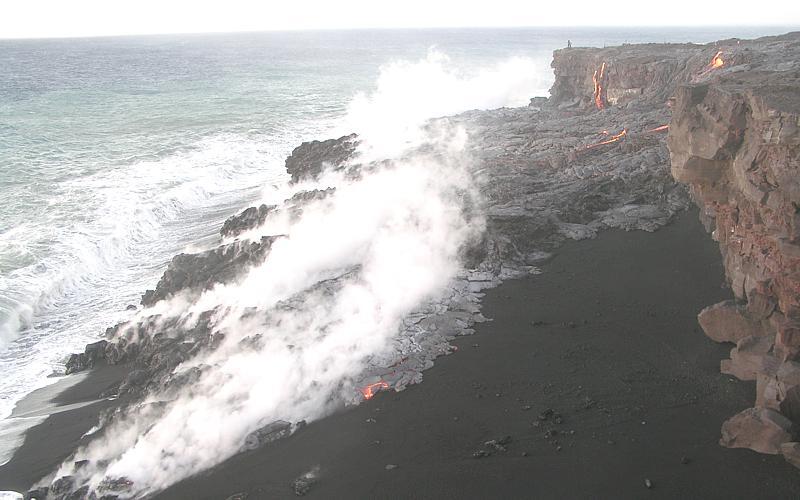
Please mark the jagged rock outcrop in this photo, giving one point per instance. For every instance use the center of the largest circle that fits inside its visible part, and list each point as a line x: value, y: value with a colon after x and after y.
x: 198, y: 272
x: 309, y: 159
x: 93, y: 353
x: 246, y: 220
x: 735, y: 141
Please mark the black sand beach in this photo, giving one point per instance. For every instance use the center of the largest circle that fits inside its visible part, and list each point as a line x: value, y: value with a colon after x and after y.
x: 606, y: 338
x: 51, y: 442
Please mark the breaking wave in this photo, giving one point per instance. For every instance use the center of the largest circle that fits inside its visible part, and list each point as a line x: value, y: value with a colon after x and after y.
x: 103, y: 238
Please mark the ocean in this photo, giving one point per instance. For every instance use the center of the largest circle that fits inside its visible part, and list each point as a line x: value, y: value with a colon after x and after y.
x: 118, y: 153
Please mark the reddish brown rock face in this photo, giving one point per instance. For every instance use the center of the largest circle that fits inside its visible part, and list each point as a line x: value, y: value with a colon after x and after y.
x: 742, y: 162
x: 645, y: 74
x: 759, y: 429
x: 728, y: 322
x: 735, y: 141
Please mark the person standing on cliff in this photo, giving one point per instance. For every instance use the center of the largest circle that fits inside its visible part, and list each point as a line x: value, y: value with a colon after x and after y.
x: 569, y: 44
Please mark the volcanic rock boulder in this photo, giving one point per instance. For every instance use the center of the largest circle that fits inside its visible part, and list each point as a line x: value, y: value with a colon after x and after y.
x: 759, y: 429
x: 92, y: 354
x: 309, y: 159
x: 267, y: 434
x: 246, y: 220
x: 197, y: 272
x: 791, y: 452
x: 728, y: 322
x: 751, y: 356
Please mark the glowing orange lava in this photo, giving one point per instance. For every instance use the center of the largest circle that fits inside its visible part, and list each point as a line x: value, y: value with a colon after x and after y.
x: 613, y: 138
x: 658, y: 129
x: 597, y: 79
x: 717, y: 61
x: 372, y: 389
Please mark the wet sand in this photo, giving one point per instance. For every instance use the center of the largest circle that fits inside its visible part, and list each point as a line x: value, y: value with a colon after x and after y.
x: 47, y: 444
x: 606, y: 338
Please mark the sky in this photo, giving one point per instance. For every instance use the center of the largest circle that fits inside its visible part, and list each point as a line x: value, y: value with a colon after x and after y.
x: 62, y: 18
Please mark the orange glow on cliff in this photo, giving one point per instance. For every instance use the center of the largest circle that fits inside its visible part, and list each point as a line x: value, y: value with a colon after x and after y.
x: 597, y: 79
x: 717, y: 61
x: 369, y: 391
x: 613, y: 138
x: 662, y: 128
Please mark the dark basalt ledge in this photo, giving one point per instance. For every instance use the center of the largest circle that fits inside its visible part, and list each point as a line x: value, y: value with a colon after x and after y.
x: 194, y: 273
x: 309, y: 159
x: 562, y: 169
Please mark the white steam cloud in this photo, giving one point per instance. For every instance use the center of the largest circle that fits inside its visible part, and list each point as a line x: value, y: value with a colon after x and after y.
x: 333, y: 290
x: 401, y: 228
x: 407, y: 94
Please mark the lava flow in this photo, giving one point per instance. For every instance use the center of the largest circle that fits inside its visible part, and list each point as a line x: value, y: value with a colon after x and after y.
x: 370, y: 390
x: 599, y: 100
x: 717, y: 61
x: 613, y: 138
x: 662, y: 128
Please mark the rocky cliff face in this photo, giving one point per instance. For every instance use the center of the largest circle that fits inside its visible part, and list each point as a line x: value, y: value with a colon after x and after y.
x: 628, y: 75
x: 735, y: 140
x: 646, y: 75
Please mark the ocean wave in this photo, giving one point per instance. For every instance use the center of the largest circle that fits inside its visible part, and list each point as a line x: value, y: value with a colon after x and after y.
x: 101, y: 239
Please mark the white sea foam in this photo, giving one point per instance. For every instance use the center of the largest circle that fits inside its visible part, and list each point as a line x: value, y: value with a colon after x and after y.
x: 105, y: 238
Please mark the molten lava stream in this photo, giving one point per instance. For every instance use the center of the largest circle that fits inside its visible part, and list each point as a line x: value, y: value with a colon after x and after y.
x: 717, y: 61
x: 370, y: 390
x: 613, y: 138
x: 599, y: 102
x: 662, y: 128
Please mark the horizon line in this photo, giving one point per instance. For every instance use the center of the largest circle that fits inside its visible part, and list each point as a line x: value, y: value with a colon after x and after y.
x: 791, y: 27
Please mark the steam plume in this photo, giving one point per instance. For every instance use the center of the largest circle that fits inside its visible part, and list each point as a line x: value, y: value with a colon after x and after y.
x: 300, y: 328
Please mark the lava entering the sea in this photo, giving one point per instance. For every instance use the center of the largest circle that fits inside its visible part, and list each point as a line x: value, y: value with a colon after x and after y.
x: 370, y: 390
x: 598, y: 80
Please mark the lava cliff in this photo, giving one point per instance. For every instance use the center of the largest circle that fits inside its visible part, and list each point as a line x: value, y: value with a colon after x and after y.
x: 735, y: 141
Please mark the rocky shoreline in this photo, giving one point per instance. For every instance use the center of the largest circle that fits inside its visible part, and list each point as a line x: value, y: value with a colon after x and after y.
x: 625, y: 130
